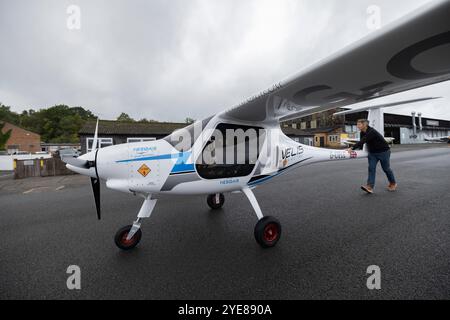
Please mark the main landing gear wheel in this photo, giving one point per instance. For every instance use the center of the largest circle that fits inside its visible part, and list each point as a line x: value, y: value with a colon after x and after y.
x: 121, y: 238
x: 268, y: 232
x: 216, y: 201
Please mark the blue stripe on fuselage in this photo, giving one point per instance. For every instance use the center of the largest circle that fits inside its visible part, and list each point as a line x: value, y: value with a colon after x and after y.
x: 177, y: 156
x: 180, y: 165
x: 183, y: 167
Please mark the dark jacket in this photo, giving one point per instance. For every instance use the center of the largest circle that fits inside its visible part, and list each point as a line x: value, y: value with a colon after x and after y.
x: 376, y: 143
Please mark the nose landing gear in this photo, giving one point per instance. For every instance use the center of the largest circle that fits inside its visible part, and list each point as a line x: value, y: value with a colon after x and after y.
x: 122, y: 241
x: 127, y: 238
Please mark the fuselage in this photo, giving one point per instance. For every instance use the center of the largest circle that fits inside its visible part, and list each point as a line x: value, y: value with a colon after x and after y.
x: 202, y: 159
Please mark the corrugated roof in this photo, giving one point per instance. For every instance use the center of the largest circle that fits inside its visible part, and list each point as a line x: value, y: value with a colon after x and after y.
x: 131, y: 128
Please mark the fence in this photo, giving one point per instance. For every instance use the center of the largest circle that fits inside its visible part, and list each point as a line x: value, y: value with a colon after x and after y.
x: 40, y: 168
x: 7, y: 161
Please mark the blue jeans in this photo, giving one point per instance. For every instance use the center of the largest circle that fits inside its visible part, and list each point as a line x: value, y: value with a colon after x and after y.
x: 385, y: 159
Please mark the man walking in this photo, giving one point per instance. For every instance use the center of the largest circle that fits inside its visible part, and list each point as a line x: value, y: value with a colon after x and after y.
x: 379, y: 151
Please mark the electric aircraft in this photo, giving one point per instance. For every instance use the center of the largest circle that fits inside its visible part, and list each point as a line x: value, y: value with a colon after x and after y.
x: 379, y: 122
x: 439, y: 139
x: 410, y: 53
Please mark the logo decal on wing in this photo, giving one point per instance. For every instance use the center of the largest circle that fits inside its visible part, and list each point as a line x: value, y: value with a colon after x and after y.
x: 144, y: 170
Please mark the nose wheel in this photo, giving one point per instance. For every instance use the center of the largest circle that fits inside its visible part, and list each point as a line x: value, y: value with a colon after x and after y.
x: 216, y: 201
x: 124, y: 241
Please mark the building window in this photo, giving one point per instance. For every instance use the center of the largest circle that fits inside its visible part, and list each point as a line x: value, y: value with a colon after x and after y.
x: 333, y: 139
x: 13, y: 149
x: 309, y: 142
x: 103, y: 143
x: 303, y: 125
x: 314, y: 124
x: 135, y: 140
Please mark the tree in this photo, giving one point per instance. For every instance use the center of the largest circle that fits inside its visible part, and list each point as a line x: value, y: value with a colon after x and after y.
x: 59, y: 123
x: 7, y: 115
x: 189, y: 120
x: 125, y: 118
x: 145, y: 120
x: 4, y: 137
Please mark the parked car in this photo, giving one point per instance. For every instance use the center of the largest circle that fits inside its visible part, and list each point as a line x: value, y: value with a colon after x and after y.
x: 68, y: 152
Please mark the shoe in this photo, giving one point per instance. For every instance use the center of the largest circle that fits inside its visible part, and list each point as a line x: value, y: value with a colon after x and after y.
x: 392, y: 187
x: 367, y: 189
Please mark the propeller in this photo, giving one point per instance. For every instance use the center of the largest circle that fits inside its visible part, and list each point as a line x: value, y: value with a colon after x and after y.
x: 76, y: 162
x: 96, y: 181
x: 89, y: 161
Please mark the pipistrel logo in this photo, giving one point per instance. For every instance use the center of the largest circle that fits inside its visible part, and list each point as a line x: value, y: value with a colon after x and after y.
x: 74, y: 18
x: 74, y: 280
x: 374, y: 280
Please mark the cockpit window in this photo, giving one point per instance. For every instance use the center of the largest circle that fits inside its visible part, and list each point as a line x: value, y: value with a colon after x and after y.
x: 232, y: 151
x: 183, y: 139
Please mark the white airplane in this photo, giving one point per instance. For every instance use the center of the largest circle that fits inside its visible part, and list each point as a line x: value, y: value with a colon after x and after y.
x: 408, y: 54
x: 439, y: 139
x: 377, y: 121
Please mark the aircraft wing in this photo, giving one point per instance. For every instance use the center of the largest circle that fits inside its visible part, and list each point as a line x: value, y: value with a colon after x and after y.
x: 407, y: 54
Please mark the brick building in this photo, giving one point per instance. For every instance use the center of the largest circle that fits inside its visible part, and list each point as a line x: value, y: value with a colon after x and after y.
x: 21, y: 139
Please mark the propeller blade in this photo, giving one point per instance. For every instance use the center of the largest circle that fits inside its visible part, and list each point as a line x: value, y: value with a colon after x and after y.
x: 95, y: 142
x: 96, y: 188
x: 76, y: 162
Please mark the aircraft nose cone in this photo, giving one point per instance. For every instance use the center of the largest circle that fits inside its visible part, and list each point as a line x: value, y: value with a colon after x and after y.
x: 90, y: 172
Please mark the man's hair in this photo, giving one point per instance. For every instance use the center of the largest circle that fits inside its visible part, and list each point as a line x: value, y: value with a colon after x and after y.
x: 364, y: 121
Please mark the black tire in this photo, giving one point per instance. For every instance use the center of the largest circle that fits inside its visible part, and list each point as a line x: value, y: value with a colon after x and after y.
x: 212, y: 201
x: 268, y: 232
x: 121, y: 236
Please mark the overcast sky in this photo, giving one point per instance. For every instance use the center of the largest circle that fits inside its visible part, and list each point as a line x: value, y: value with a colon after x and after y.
x: 168, y: 60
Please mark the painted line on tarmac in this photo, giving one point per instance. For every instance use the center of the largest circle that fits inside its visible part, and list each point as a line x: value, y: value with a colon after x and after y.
x: 34, y: 189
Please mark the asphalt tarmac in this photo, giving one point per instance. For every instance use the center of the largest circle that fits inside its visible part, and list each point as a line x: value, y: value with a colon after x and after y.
x: 332, y: 233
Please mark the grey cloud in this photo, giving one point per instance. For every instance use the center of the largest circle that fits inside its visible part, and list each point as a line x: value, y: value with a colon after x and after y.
x: 169, y: 60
